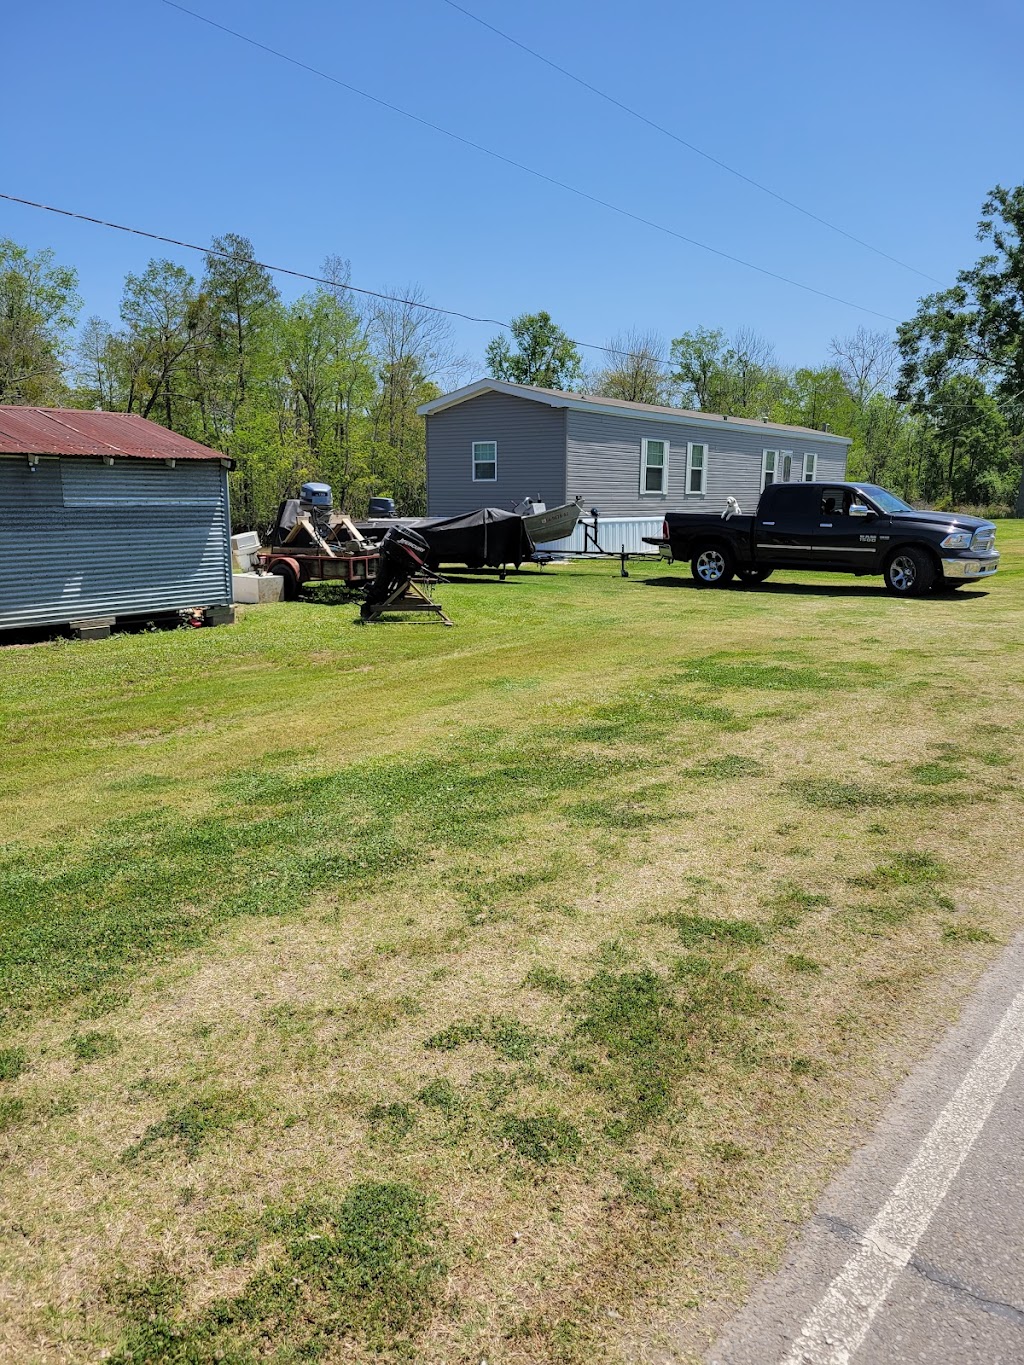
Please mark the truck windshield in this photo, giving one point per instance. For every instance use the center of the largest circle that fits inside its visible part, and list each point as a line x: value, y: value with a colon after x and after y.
x: 883, y: 500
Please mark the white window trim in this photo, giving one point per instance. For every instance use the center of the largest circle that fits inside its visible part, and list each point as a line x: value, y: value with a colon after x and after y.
x: 776, y: 467
x: 473, y: 460
x: 810, y: 476
x: 646, y: 492
x: 702, y: 490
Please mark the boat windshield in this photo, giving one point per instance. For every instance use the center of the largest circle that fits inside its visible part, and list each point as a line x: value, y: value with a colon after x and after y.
x: 884, y: 500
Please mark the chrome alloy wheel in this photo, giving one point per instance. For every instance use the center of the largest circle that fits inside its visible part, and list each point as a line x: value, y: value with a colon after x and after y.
x: 903, y: 573
x: 711, y: 566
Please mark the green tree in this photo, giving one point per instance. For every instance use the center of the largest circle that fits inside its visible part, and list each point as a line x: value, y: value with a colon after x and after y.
x: 167, y: 321
x: 737, y: 378
x: 543, y: 354
x: 976, y: 328
x: 38, y: 308
x: 969, y: 444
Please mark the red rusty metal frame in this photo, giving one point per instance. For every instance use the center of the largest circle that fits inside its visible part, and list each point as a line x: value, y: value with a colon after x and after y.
x: 354, y: 570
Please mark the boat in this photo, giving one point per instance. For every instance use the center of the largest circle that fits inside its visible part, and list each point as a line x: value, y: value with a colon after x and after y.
x: 544, y: 524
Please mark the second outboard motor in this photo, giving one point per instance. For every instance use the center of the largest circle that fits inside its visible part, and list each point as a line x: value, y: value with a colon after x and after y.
x: 381, y: 507
x: 403, y: 554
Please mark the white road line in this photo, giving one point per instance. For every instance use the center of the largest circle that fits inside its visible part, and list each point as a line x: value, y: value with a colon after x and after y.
x: 840, y: 1322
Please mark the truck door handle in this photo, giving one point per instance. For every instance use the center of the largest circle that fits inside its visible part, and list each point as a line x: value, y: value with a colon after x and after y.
x: 825, y: 523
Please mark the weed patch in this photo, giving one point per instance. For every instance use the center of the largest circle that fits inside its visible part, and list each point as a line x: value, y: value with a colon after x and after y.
x: 440, y: 1094
x: 544, y: 979
x: 13, y: 1061
x: 91, y: 1046
x: 936, y: 774
x: 796, y: 962
x: 367, y: 1266
x: 696, y: 929
x: 12, y: 1112
x: 510, y: 1039
x: 827, y: 794
x: 904, y: 869
x: 391, y: 1120
x: 191, y: 1126
x: 544, y: 1139
x: 966, y: 933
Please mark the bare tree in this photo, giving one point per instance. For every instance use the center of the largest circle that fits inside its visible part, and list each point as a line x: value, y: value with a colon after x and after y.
x: 755, y: 368
x: 636, y: 369
x: 867, y: 361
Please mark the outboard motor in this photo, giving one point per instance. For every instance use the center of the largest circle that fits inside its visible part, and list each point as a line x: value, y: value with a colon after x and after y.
x: 317, y: 502
x: 317, y: 495
x: 403, y: 554
x: 381, y: 507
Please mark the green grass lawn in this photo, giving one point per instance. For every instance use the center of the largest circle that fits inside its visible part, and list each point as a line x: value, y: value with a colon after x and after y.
x: 502, y: 992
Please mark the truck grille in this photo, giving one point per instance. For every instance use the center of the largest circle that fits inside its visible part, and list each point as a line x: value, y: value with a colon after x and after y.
x: 984, y: 539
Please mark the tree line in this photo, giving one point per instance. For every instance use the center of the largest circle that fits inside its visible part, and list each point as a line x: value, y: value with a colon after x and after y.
x: 326, y: 386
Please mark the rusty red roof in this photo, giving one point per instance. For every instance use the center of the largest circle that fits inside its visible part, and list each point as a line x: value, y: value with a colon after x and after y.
x: 77, y: 431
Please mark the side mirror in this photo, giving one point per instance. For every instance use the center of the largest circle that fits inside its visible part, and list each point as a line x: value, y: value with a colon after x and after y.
x: 857, y: 509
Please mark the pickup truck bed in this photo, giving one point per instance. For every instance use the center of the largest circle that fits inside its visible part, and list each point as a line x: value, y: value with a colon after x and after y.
x: 836, y: 528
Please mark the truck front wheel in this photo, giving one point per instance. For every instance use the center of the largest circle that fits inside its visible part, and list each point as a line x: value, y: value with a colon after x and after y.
x: 909, y: 572
x: 712, y: 566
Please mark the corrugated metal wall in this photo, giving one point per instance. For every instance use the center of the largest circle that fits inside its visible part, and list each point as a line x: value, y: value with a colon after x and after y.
x: 531, y: 454
x: 603, y: 462
x: 79, y: 538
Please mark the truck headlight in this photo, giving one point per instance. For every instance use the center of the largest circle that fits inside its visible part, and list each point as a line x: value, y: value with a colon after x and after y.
x: 957, y: 540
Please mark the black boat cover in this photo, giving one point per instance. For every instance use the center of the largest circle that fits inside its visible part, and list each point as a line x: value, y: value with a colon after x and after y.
x: 487, y: 536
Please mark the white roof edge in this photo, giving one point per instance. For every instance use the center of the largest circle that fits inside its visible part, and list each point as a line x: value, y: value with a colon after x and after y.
x: 587, y: 404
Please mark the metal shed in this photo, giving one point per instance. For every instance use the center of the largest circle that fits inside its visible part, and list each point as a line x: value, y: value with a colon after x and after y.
x: 106, y: 515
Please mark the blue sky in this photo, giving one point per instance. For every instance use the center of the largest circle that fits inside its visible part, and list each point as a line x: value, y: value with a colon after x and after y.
x: 891, y: 119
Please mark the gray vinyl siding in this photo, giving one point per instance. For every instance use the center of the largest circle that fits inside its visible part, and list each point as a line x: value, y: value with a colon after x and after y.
x: 531, y: 454
x: 603, y: 463
x: 79, y: 538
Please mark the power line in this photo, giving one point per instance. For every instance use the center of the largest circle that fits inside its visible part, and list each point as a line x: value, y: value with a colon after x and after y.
x: 251, y: 264
x: 690, y: 146
x: 521, y: 166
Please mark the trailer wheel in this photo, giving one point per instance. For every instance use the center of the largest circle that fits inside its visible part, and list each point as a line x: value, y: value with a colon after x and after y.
x: 712, y: 566
x: 290, y: 579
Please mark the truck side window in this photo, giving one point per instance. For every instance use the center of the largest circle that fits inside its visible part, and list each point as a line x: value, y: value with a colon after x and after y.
x: 834, y: 502
x: 789, y: 502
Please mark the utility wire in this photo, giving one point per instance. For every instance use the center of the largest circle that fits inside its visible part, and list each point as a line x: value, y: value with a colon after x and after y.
x: 521, y: 166
x: 667, y: 132
x: 251, y: 264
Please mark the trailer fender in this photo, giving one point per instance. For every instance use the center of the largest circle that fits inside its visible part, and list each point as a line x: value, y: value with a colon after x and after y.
x: 287, y: 568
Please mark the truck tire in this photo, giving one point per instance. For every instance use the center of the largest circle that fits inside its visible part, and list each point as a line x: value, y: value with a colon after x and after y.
x: 750, y: 578
x: 909, y: 572
x: 712, y: 565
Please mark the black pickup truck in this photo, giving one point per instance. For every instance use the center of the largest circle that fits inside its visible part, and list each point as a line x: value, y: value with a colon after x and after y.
x: 853, y: 528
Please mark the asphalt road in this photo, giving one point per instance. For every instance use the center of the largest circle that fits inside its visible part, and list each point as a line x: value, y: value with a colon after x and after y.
x: 916, y: 1252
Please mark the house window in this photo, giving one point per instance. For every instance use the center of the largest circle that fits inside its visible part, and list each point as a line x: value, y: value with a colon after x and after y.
x: 696, y: 468
x: 485, y: 461
x: 810, y: 467
x: 776, y: 467
x: 653, y: 466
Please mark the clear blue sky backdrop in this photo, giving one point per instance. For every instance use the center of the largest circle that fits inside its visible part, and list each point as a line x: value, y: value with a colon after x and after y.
x: 891, y: 119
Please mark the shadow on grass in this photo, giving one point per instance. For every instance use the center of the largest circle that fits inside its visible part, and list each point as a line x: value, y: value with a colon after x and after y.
x: 806, y: 589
